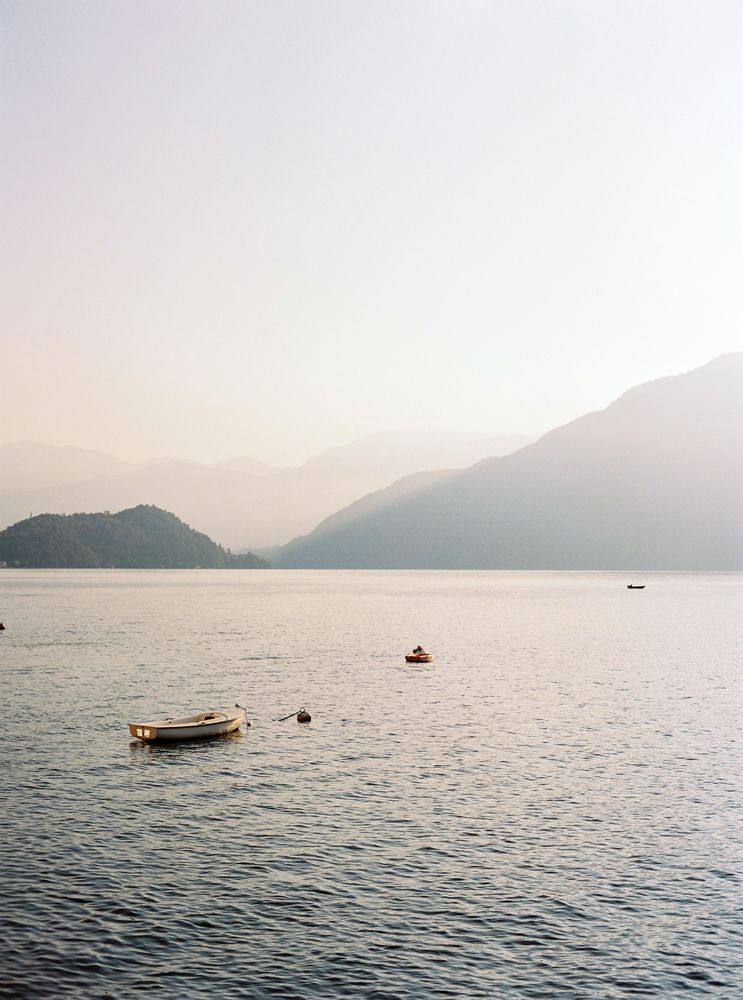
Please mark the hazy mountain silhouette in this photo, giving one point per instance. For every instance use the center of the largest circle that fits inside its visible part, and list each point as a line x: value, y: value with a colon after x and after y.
x: 372, y: 502
x: 241, y: 502
x: 655, y: 481
x: 28, y: 465
x: 251, y: 466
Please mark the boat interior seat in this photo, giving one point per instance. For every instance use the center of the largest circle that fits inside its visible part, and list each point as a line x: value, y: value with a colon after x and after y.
x: 187, y: 720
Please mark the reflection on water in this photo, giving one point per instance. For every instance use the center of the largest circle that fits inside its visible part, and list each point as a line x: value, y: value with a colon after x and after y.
x: 180, y: 748
x: 551, y: 808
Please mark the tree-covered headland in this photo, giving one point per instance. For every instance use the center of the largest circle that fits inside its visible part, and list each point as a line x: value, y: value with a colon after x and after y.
x: 143, y: 537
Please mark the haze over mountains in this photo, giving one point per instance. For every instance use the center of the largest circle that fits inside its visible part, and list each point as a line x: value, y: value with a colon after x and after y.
x: 654, y: 481
x: 242, y: 503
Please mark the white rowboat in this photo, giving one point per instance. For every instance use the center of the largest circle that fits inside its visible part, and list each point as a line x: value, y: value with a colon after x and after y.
x: 191, y: 727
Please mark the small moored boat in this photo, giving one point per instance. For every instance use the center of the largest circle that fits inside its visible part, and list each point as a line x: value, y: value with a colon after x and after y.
x: 191, y: 727
x: 635, y: 586
x: 418, y: 657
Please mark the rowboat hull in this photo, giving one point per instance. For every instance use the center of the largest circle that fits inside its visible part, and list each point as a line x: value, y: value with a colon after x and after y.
x: 192, y: 727
x: 418, y: 658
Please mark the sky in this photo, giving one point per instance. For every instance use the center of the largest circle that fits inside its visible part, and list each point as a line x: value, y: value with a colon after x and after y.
x: 265, y: 227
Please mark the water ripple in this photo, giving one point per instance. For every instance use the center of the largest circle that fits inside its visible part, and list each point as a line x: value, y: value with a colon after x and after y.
x: 545, y: 811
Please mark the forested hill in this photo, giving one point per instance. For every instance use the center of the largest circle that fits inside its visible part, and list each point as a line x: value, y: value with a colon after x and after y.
x: 143, y: 537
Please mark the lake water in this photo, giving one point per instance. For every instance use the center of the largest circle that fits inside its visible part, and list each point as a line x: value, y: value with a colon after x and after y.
x: 552, y: 808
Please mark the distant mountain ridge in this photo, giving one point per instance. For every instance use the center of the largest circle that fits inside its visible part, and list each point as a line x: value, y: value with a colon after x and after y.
x: 654, y: 481
x: 29, y: 465
x: 143, y: 537
x: 405, y: 487
x: 241, y: 502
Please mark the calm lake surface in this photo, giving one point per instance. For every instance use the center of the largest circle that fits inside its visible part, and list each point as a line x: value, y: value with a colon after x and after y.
x: 552, y: 808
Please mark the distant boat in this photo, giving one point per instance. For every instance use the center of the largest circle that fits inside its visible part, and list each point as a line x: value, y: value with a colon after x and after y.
x: 191, y: 727
x: 418, y: 657
x: 635, y: 586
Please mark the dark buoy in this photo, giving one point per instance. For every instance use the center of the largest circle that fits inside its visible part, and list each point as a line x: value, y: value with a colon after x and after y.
x: 301, y: 716
x: 2, y: 627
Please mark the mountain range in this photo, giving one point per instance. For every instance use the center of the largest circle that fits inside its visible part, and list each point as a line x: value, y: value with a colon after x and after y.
x: 242, y: 503
x: 654, y: 481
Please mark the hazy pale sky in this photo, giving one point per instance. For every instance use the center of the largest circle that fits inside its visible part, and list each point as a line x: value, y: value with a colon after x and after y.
x: 268, y: 227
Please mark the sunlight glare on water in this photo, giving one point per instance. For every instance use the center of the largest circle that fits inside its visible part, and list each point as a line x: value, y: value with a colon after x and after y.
x: 551, y: 808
